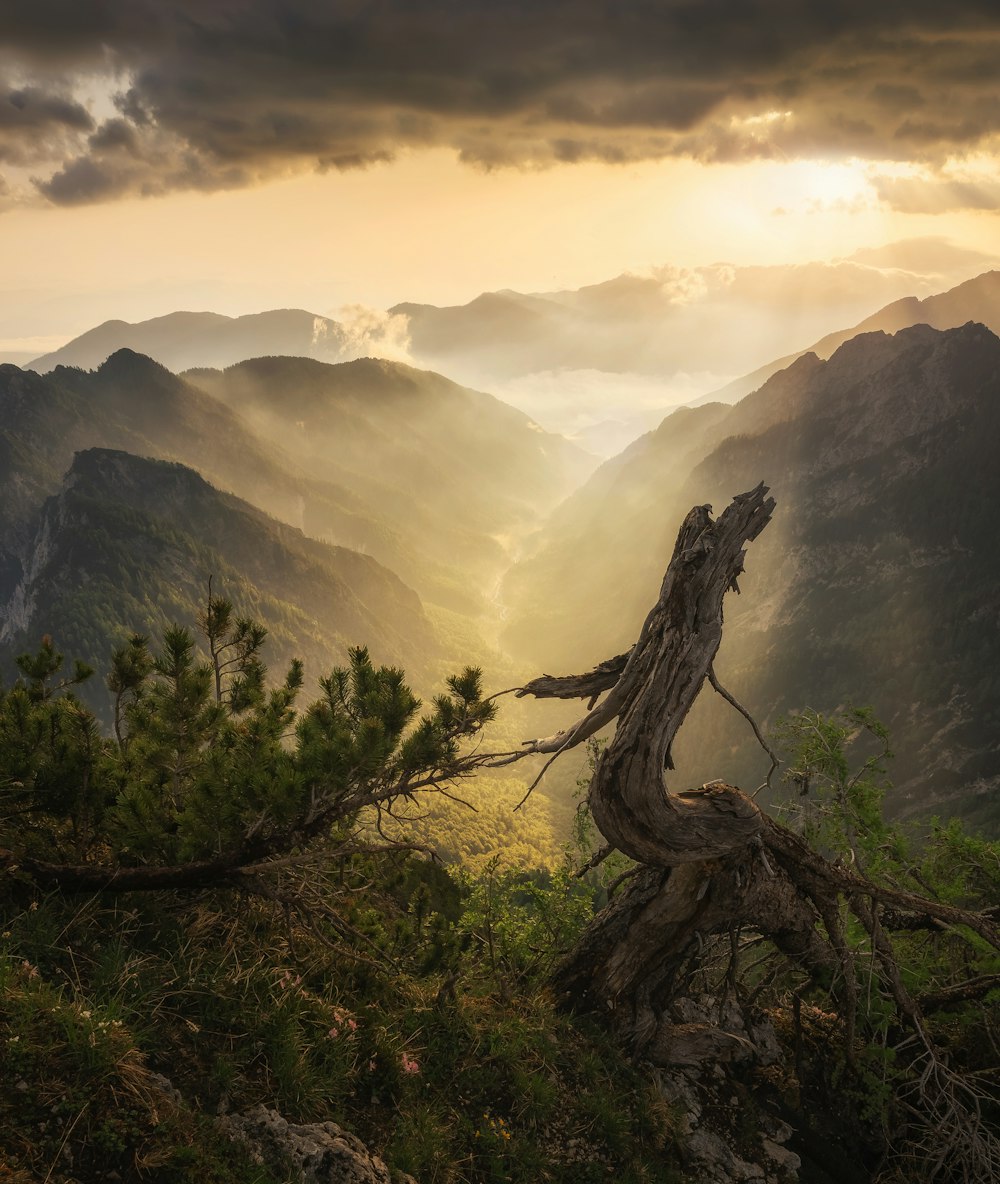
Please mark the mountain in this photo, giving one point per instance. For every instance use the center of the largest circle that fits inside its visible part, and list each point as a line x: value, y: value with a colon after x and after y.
x: 182, y: 340
x: 129, y: 544
x: 599, y: 364
x: 462, y: 473
x: 347, y: 492
x: 669, y: 322
x: 977, y: 299
x: 626, y: 349
x: 135, y: 404
x: 875, y: 584
x: 502, y: 333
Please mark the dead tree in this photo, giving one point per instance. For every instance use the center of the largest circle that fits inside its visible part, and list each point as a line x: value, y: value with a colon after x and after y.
x: 709, y: 859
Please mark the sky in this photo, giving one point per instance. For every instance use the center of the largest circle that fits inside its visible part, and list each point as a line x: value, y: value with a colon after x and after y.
x: 248, y: 154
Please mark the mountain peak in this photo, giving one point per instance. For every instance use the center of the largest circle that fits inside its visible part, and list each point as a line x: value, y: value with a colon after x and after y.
x: 121, y: 471
x: 130, y: 361
x: 183, y: 340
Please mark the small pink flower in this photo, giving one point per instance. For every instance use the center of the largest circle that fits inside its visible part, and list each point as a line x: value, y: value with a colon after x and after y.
x: 410, y: 1064
x: 333, y: 1033
x: 353, y: 1025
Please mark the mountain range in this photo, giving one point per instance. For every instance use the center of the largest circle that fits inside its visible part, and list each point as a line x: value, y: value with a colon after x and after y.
x: 601, y: 363
x: 459, y: 472
x: 657, y: 323
x: 353, y: 454
x: 182, y: 340
x: 128, y: 544
x: 398, y: 491
x: 977, y: 299
x: 877, y: 582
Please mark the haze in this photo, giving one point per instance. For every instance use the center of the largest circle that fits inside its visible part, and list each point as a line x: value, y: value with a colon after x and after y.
x: 747, y: 192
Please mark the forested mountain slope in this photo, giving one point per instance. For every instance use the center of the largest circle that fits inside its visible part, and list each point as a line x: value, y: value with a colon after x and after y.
x: 129, y: 544
x: 133, y: 403
x: 429, y: 505
x: 877, y: 584
x: 463, y: 473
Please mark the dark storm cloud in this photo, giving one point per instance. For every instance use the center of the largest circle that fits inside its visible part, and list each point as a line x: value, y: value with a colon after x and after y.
x: 82, y: 181
x: 222, y: 93
x: 36, y: 124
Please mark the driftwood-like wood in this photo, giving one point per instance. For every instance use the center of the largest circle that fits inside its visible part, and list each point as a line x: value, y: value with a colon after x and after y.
x: 577, y: 686
x: 652, y: 695
x: 710, y: 861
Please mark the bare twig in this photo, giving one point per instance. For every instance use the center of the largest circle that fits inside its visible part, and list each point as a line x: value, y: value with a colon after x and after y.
x: 595, y: 860
x: 734, y: 702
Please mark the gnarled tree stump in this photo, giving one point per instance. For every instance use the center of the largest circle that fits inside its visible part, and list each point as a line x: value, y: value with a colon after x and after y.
x: 710, y: 859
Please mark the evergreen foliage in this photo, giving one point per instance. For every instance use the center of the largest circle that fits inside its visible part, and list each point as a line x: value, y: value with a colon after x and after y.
x: 316, y: 961
x: 356, y: 982
x: 208, y: 764
x: 931, y: 1089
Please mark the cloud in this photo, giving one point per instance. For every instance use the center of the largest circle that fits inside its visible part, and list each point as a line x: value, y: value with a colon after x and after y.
x: 934, y: 258
x: 37, y: 124
x: 122, y: 159
x: 937, y: 193
x: 224, y: 94
x: 370, y: 332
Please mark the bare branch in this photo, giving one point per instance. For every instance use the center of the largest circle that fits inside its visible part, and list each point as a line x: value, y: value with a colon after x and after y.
x: 595, y: 860
x: 734, y: 702
x: 577, y: 686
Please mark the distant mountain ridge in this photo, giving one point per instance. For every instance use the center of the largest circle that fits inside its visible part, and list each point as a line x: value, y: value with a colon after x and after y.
x: 977, y: 299
x: 370, y: 423
x: 600, y: 363
x: 183, y: 340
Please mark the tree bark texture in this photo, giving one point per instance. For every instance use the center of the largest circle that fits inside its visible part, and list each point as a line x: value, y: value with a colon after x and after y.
x: 709, y: 860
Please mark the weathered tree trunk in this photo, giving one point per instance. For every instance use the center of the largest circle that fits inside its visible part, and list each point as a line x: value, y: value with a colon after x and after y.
x: 710, y: 859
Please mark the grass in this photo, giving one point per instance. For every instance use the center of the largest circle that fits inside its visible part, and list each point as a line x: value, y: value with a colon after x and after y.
x: 126, y: 1026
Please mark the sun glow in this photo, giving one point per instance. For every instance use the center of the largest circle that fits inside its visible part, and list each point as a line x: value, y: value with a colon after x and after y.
x: 831, y: 185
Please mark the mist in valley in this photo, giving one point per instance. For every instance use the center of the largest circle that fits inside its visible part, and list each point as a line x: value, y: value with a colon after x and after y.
x: 499, y: 593
x: 524, y: 548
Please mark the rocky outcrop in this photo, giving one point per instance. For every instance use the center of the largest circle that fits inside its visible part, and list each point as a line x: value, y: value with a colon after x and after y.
x: 309, y: 1153
x: 727, y: 1135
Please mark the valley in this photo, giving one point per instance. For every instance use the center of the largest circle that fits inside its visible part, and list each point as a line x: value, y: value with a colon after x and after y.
x: 874, y: 588
x: 499, y: 593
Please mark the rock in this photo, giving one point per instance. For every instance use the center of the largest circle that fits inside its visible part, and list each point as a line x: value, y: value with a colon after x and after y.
x: 779, y: 1131
x: 787, y: 1160
x: 705, y: 1053
x: 316, y: 1152
x: 714, y: 1162
x: 727, y: 1026
x: 694, y: 1044
x: 166, y: 1087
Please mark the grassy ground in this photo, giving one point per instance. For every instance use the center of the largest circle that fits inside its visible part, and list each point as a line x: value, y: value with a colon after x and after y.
x: 126, y: 1026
